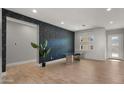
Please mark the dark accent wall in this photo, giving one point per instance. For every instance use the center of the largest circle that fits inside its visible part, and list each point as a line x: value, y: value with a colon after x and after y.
x: 60, y: 40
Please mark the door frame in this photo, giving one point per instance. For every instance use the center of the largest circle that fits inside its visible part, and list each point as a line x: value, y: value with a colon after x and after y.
x: 28, y: 24
x: 121, y: 42
x: 5, y: 14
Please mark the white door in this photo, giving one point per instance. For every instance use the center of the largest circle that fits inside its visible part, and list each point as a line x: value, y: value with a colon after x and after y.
x: 115, y: 46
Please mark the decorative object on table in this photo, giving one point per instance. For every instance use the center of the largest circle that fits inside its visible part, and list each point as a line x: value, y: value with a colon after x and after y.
x: 43, y: 51
x: 77, y: 57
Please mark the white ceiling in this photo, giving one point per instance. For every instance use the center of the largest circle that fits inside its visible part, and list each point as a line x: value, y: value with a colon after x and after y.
x: 74, y: 18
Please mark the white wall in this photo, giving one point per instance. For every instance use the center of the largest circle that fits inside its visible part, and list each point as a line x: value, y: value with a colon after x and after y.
x: 99, y: 51
x: 19, y: 38
x: 0, y: 40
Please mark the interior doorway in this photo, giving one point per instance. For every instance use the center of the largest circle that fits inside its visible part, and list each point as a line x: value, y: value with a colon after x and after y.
x: 20, y: 34
x: 115, y: 46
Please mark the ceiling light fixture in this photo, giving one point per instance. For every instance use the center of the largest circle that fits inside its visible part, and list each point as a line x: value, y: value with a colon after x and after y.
x: 62, y: 22
x: 108, y: 9
x: 111, y: 22
x: 34, y: 11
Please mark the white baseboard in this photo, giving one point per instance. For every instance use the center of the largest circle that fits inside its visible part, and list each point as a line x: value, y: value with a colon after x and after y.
x: 56, y: 61
x: 53, y: 61
x: 102, y: 60
x: 21, y: 62
x: 30, y: 61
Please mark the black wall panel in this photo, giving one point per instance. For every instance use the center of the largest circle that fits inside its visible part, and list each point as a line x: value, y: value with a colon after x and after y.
x: 60, y: 40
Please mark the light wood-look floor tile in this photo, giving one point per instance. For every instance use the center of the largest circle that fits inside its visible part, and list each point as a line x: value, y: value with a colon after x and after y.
x: 83, y: 72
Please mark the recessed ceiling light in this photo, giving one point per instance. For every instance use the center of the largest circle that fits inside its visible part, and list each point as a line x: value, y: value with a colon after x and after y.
x: 111, y: 22
x: 108, y: 9
x: 34, y: 11
x: 62, y: 22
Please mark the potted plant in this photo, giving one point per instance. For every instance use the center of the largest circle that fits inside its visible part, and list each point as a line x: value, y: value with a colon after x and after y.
x: 43, y: 51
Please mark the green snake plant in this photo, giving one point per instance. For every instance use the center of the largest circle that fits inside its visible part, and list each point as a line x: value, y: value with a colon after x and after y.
x: 42, y: 48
